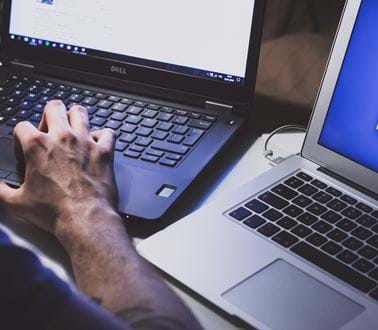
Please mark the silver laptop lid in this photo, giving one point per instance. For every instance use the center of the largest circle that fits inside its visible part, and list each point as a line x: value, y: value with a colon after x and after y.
x: 343, y: 134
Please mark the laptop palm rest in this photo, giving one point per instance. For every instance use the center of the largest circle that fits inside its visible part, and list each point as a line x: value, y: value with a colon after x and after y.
x: 283, y: 297
x: 7, y: 159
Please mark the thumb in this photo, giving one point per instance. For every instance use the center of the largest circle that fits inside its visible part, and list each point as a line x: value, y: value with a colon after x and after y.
x: 7, y: 194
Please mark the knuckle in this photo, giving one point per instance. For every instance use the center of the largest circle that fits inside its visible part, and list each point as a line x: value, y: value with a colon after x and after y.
x: 104, y: 153
x: 67, y: 137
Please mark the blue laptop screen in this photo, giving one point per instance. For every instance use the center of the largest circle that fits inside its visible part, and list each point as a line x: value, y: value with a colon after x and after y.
x: 351, y: 126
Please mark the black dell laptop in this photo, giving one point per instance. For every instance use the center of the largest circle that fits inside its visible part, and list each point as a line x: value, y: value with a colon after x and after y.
x: 174, y: 79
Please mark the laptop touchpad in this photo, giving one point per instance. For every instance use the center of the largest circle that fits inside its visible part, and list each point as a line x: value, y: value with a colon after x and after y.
x: 7, y: 159
x: 283, y: 297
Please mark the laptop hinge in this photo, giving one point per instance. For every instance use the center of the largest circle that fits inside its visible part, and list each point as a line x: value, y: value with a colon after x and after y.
x: 214, y: 106
x: 22, y: 67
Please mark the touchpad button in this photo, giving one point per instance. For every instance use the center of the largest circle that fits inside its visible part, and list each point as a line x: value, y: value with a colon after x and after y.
x: 7, y: 159
x: 283, y: 297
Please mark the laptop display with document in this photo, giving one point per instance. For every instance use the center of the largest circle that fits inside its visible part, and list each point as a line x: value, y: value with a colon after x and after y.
x: 297, y: 248
x: 175, y: 80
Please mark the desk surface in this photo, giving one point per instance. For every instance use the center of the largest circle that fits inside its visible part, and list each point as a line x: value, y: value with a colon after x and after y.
x: 249, y: 165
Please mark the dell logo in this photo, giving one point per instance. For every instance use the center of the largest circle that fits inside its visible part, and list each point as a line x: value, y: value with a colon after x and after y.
x: 118, y: 69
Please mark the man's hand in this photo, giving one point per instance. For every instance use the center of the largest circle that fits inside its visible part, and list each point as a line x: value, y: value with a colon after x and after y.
x: 68, y: 171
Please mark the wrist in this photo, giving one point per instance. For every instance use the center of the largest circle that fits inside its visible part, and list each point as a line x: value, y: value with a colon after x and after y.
x: 82, y: 225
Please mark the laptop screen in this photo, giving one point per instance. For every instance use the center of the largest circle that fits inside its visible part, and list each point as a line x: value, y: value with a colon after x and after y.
x: 202, y: 38
x: 351, y: 126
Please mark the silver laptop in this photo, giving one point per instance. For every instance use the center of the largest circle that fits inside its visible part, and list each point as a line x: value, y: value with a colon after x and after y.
x: 296, y: 248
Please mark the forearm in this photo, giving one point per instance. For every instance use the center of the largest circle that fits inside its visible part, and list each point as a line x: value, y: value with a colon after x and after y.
x: 108, y: 269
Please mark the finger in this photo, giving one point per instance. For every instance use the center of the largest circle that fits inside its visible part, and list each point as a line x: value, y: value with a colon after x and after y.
x: 79, y: 121
x: 105, y: 138
x: 7, y: 194
x: 54, y: 117
x: 22, y: 133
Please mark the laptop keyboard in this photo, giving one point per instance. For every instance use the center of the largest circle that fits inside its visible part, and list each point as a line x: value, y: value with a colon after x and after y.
x: 319, y: 223
x: 153, y: 133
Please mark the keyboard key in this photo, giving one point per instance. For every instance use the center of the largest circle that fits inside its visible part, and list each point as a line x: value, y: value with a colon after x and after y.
x: 132, y: 154
x: 348, y: 199
x: 368, y: 252
x: 316, y: 209
x: 133, y: 110
x: 170, y: 147
x: 322, y: 197
x: 316, y: 239
x: 287, y: 223
x: 302, y: 201
x: 140, y: 104
x: 337, y: 235
x: 114, y: 98
x: 168, y: 162
x: 334, y: 192
x: 304, y: 176
x: 301, y: 231
x: 331, y: 217
x: 272, y: 215
x: 352, y: 244
x: 150, y: 158
x: 374, y: 274
x: 155, y: 153
x: 128, y: 138
x: 114, y: 125
x: 153, y: 107
x: 120, y: 146
x: 201, y: 124
x: 136, y: 148
x: 375, y: 229
x: 334, y: 267
x: 319, y: 184
x: 165, y: 116
x: 254, y: 222
x: 322, y: 227
x: 351, y: 213
x: 150, y: 114
x: 119, y: 116
x: 375, y: 214
x: 103, y: 113
x: 193, y: 137
x: 182, y: 130
x: 307, y: 219
x: 129, y: 128
x: 257, y: 206
x: 373, y: 241
x: 269, y: 230
x: 165, y: 127
x: 273, y: 200
x: 97, y: 121
x: 144, y: 131
x: 173, y: 157
x: 331, y: 248
x: 366, y: 221
x: 104, y: 104
x: 285, y: 239
x: 363, y: 265
x: 127, y: 101
x: 336, y: 205
x: 347, y: 256
x: 175, y: 138
x: 346, y: 225
x: 292, y: 211
x: 159, y: 135
x: 167, y: 109
x: 143, y: 141
x: 90, y: 101
x: 365, y: 208
x: 133, y: 119
x: 284, y: 192
x: 362, y: 233
x: 119, y: 107
x: 294, y: 182
x: 308, y: 190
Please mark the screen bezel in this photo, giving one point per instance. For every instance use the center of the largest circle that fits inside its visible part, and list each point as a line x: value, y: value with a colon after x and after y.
x: 312, y: 149
x: 140, y: 74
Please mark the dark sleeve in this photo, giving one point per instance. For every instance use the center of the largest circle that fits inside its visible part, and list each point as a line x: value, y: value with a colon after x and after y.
x: 32, y: 297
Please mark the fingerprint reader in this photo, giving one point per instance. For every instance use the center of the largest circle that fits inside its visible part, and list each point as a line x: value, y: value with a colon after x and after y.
x: 166, y: 191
